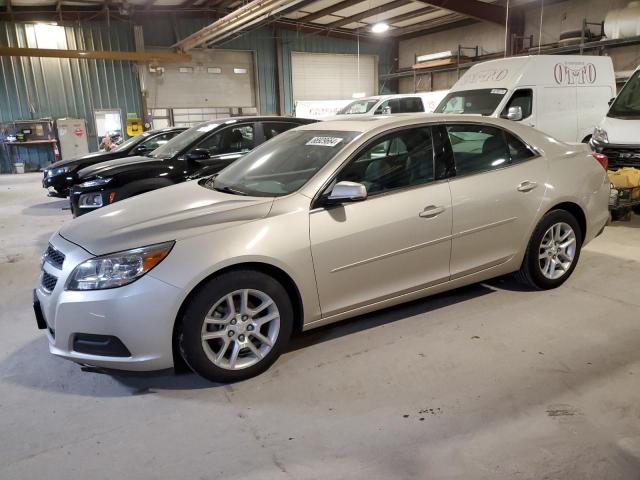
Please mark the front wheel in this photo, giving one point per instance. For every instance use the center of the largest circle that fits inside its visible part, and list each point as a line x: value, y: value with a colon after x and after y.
x: 553, y: 251
x: 236, y: 326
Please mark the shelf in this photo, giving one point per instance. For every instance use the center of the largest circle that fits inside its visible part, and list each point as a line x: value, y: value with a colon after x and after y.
x: 31, y: 142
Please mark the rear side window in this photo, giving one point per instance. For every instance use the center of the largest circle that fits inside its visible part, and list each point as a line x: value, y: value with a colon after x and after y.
x: 272, y: 129
x: 477, y: 148
x: 518, y: 151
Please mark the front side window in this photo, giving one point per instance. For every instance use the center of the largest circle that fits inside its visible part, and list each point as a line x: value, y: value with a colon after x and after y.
x: 401, y: 159
x: 627, y: 103
x: 234, y: 139
x: 483, y: 101
x: 283, y: 165
x: 400, y: 105
x: 521, y: 98
x: 477, y: 148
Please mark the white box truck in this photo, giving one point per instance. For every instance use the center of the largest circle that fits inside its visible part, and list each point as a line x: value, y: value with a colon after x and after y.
x: 565, y: 96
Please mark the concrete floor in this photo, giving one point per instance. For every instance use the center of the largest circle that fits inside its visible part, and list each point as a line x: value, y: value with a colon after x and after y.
x: 486, y: 382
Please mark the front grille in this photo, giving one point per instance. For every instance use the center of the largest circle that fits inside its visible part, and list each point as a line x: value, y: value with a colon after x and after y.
x: 54, y: 257
x: 48, y: 282
x: 622, y: 157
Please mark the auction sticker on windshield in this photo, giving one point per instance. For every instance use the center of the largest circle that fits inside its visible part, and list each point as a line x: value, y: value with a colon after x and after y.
x: 324, y: 141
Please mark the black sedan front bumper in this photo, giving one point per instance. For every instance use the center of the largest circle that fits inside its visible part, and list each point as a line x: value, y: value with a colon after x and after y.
x: 60, y: 184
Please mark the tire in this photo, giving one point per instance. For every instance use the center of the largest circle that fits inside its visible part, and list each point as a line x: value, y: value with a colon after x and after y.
x: 535, y: 272
x: 234, y: 333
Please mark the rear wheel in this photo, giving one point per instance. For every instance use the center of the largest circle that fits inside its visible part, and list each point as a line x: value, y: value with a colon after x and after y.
x: 553, y: 251
x: 236, y: 326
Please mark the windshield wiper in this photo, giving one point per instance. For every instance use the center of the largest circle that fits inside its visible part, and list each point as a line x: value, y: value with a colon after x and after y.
x: 228, y: 189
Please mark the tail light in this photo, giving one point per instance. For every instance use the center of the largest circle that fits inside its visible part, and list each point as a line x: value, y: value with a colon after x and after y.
x: 602, y: 159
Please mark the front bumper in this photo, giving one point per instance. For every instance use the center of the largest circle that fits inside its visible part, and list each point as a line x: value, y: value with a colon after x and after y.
x: 59, y: 183
x: 140, y: 315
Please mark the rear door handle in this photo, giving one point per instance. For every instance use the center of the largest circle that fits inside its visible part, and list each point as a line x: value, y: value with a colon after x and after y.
x: 527, y: 186
x: 431, y: 211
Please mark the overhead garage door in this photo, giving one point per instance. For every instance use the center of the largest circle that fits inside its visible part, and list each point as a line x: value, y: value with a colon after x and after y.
x: 213, y: 85
x: 324, y: 76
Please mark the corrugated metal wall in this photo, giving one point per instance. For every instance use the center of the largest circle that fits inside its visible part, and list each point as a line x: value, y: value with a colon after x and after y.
x: 32, y: 88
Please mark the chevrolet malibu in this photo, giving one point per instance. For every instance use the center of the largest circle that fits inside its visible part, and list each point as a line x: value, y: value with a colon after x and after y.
x: 324, y: 222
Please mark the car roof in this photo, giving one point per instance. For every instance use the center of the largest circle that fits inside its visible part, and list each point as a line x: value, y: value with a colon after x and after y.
x: 256, y: 118
x: 368, y: 123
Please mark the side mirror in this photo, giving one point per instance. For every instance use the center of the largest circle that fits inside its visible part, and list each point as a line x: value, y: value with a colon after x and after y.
x: 141, y: 150
x: 610, y: 102
x: 346, y: 192
x: 515, y: 113
x: 198, y: 154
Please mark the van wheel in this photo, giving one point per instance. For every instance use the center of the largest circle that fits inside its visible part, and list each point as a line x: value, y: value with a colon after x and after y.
x: 553, y: 251
x: 236, y: 326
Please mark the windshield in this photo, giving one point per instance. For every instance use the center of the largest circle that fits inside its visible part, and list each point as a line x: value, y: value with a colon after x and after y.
x: 358, y: 107
x: 627, y: 103
x: 181, y: 141
x: 483, y: 101
x: 130, y: 142
x: 282, y: 165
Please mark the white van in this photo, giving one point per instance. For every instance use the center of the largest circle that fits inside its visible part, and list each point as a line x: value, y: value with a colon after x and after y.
x: 565, y: 96
x: 391, y: 104
x: 618, y: 134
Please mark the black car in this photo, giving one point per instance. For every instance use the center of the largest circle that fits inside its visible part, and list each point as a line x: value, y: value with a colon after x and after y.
x: 200, y: 151
x: 61, y: 175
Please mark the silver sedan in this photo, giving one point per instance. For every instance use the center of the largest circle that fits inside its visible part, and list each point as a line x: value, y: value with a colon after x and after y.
x: 320, y: 224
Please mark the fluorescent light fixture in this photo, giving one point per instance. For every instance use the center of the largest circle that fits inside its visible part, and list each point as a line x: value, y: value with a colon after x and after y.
x: 434, y: 56
x: 380, y: 27
x: 239, y: 71
x: 214, y: 70
x: 186, y: 69
x: 359, y: 95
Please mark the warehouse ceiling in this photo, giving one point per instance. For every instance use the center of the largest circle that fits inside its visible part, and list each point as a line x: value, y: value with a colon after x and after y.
x: 331, y: 17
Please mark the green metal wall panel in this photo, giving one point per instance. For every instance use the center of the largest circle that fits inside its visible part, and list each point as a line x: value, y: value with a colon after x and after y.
x: 32, y: 88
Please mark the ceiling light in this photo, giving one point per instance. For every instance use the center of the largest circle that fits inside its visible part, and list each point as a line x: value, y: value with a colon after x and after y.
x: 380, y: 27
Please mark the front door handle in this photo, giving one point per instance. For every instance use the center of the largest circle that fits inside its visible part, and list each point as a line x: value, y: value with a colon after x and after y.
x: 527, y: 186
x: 431, y: 211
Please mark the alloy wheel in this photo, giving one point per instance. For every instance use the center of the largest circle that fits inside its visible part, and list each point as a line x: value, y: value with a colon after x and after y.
x: 240, y: 329
x: 557, y: 250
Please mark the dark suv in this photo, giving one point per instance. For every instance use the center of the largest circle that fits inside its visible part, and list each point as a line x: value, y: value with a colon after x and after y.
x: 61, y: 175
x: 202, y: 150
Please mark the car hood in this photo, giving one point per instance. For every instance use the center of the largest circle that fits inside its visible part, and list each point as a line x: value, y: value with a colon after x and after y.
x: 621, y: 131
x: 89, y: 159
x: 112, y: 167
x: 173, y: 213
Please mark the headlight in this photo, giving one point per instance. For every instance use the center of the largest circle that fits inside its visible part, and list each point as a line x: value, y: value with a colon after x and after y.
x: 600, y: 135
x: 117, y: 269
x: 98, y: 182
x: 58, y: 171
x: 90, y: 200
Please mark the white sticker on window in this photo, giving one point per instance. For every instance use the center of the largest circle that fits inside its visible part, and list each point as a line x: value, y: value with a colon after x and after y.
x: 324, y: 141
x: 499, y: 91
